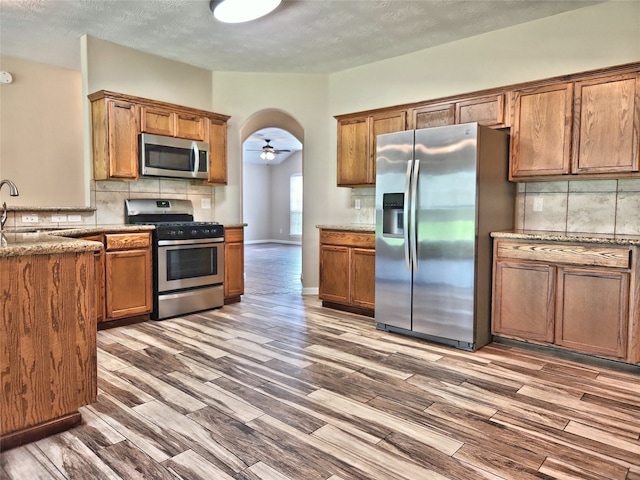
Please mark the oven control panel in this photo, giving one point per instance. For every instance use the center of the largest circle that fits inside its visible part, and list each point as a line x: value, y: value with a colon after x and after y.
x: 189, y: 231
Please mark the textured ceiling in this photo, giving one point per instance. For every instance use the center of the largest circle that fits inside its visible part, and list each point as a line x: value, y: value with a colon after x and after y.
x: 301, y: 36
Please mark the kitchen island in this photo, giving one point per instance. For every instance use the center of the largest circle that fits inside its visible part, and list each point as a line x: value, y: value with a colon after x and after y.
x: 577, y: 292
x: 47, y: 334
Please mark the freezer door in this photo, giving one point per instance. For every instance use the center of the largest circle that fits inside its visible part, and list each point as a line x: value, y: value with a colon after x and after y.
x: 394, y: 157
x: 443, y: 282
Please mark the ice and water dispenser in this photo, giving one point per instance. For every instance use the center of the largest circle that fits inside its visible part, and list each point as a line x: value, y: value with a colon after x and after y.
x: 393, y: 215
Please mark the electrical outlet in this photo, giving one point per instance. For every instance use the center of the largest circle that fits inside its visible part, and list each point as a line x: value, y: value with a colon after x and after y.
x: 33, y: 218
x: 74, y: 218
x: 58, y: 218
x: 205, y: 203
x: 357, y: 204
x: 537, y: 204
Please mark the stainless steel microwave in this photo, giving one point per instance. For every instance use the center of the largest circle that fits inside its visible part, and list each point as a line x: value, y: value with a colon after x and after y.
x: 162, y: 156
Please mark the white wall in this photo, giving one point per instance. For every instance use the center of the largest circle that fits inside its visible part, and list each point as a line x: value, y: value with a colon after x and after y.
x: 41, y: 131
x: 280, y: 197
x: 303, y: 97
x: 257, y: 201
x: 603, y: 35
x: 266, y: 199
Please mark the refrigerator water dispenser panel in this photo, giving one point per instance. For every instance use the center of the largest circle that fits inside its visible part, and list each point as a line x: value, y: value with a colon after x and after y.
x: 393, y: 215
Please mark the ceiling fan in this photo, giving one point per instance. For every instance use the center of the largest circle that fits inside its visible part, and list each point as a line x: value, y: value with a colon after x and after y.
x: 268, y: 151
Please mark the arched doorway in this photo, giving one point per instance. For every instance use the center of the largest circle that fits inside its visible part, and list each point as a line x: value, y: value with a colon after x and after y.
x: 272, y: 203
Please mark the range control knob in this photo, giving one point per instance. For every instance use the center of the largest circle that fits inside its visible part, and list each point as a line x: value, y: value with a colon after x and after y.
x: 194, y: 232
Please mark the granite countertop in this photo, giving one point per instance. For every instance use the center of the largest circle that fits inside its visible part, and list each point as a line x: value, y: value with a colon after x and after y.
x: 47, y: 240
x: 351, y: 227
x: 580, y: 237
x: 15, y: 244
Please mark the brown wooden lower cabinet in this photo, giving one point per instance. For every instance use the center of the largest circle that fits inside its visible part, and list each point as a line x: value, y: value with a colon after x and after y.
x: 47, y: 344
x: 347, y: 270
x: 523, y: 300
x: 592, y: 312
x: 577, y: 297
x: 233, y: 264
x: 124, y: 278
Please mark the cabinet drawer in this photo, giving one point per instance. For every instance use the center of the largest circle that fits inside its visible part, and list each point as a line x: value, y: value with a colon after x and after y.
x: 233, y: 235
x: 348, y: 239
x: 616, y: 257
x: 127, y: 241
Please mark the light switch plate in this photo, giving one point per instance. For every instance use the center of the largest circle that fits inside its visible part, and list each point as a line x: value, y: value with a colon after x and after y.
x: 205, y: 203
x: 58, y: 218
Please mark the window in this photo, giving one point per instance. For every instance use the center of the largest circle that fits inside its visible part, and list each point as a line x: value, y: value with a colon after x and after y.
x: 295, y: 204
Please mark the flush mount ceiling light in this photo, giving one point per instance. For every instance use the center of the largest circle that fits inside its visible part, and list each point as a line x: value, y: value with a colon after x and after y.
x: 238, y: 11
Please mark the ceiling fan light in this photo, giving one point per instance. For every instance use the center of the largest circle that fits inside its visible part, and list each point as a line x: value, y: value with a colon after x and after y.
x: 238, y: 11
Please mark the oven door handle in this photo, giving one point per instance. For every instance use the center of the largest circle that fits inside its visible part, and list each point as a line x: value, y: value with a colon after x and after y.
x: 195, y: 241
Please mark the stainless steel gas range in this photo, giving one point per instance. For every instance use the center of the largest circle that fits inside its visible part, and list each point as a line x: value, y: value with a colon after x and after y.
x: 188, y: 256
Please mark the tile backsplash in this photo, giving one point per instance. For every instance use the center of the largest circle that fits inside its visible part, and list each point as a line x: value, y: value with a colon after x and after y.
x: 588, y: 206
x: 107, y: 198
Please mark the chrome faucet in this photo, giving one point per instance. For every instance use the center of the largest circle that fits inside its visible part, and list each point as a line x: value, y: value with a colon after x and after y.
x: 13, y: 191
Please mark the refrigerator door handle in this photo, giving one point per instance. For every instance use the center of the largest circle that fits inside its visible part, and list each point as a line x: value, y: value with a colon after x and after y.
x: 413, y: 227
x: 405, y: 217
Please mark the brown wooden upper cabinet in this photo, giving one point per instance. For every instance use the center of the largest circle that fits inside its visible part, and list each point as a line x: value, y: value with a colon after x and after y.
x: 541, y: 131
x: 173, y: 124
x: 117, y: 120
x: 489, y: 110
x: 589, y: 127
x: 606, y: 125
x: 115, y: 139
x: 357, y: 145
x: 433, y: 115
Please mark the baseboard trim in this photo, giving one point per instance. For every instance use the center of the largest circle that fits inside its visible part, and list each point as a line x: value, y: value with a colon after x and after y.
x: 310, y: 291
x: 285, y: 242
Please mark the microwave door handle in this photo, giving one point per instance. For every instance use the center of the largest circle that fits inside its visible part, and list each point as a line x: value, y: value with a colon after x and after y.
x: 196, y: 159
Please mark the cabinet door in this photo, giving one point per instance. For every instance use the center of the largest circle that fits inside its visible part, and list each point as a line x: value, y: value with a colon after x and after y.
x: 157, y: 121
x: 190, y: 126
x: 607, y: 112
x: 523, y: 300
x: 217, y: 152
x: 487, y: 111
x: 354, y: 158
x: 122, y: 139
x: 363, y: 265
x: 541, y: 131
x: 380, y: 124
x: 233, y: 270
x: 334, y: 274
x: 128, y: 283
x: 433, y: 116
x: 592, y: 308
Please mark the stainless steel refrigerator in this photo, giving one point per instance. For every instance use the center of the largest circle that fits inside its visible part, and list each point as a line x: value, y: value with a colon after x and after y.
x: 439, y: 193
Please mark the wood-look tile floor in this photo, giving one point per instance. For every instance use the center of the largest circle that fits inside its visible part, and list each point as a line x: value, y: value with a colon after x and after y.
x: 272, y: 269
x: 278, y: 387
